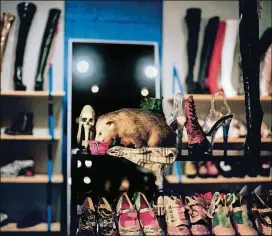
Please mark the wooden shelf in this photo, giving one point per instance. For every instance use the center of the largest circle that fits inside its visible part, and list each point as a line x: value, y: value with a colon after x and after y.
x: 234, y: 140
x: 42, y: 227
x: 208, y: 97
x: 12, y: 93
x: 173, y: 179
x: 27, y: 137
x: 32, y: 179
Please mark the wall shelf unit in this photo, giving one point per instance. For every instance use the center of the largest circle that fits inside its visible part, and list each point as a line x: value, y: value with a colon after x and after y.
x: 28, y: 137
x: 208, y: 98
x: 36, y: 179
x: 12, y: 93
x: 42, y: 227
x: 174, y: 179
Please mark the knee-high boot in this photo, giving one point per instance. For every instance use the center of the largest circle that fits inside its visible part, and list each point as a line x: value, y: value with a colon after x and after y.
x: 249, y: 37
x: 26, y: 12
x: 206, y: 52
x: 192, y: 18
x: 49, y: 33
x: 227, y: 58
x: 6, y: 24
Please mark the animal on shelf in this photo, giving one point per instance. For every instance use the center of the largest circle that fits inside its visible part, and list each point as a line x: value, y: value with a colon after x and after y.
x: 136, y: 128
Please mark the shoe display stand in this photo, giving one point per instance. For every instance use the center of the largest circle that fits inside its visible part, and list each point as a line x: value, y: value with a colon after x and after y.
x: 45, y: 172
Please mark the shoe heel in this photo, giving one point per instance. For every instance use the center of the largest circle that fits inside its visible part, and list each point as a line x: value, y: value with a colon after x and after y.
x: 226, y: 127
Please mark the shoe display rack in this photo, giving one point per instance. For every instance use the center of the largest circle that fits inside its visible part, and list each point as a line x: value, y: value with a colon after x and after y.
x: 49, y: 139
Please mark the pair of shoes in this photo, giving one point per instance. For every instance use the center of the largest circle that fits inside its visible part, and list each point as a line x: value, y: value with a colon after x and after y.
x: 22, y: 125
x: 139, y: 219
x: 207, y: 169
x: 18, y: 168
x: 88, y: 219
x: 262, y: 211
x: 198, y: 143
x: 203, y: 169
x: 230, y: 215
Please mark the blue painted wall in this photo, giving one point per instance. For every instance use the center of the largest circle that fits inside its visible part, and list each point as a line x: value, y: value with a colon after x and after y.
x: 111, y: 20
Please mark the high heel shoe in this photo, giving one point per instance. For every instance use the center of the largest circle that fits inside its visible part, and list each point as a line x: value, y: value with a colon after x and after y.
x: 262, y: 211
x: 222, y: 118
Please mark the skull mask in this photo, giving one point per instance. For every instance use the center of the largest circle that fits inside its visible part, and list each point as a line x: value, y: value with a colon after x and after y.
x: 86, y: 120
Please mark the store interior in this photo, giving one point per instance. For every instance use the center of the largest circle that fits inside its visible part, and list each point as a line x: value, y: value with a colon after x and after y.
x: 136, y: 118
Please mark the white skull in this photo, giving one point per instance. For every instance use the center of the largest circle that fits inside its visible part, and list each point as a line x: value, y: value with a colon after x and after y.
x: 86, y: 120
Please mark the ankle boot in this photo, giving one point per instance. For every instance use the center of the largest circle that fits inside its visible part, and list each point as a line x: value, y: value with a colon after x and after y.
x: 6, y: 24
x: 208, y: 43
x: 213, y: 70
x: 26, y: 12
x: 49, y: 33
x: 227, y: 58
x: 23, y: 124
x: 249, y: 41
x: 193, y: 18
x: 197, y: 141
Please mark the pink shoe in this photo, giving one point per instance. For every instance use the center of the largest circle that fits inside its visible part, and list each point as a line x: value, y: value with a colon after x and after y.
x: 128, y: 217
x: 147, y: 216
x: 177, y: 223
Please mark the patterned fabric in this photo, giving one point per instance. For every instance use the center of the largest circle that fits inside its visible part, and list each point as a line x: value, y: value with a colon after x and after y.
x: 155, y: 159
x: 14, y: 168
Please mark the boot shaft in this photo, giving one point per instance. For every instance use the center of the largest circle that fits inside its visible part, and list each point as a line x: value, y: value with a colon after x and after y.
x: 26, y: 12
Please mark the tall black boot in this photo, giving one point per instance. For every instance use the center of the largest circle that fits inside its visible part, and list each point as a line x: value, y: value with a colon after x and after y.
x: 192, y: 18
x: 23, y: 124
x: 206, y: 52
x: 249, y: 39
x: 26, y: 12
x: 50, y: 30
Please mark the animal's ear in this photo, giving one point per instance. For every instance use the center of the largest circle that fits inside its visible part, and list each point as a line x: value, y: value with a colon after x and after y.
x: 110, y: 122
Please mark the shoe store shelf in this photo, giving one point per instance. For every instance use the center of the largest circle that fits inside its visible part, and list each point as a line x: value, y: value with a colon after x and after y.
x: 11, y: 93
x: 42, y: 227
x: 36, y: 179
x: 27, y: 137
x: 234, y: 140
x: 208, y: 98
x: 174, y: 179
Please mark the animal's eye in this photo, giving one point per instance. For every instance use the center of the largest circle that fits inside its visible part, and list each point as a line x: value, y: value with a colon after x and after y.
x: 100, y: 133
x: 84, y: 119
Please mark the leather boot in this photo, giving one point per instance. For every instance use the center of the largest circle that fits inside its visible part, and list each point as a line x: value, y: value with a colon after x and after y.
x: 206, y: 52
x: 192, y: 18
x: 26, y: 12
x: 49, y: 33
x: 249, y: 41
x: 22, y: 125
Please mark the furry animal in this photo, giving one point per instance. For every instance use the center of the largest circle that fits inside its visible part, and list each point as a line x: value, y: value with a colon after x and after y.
x: 135, y: 128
